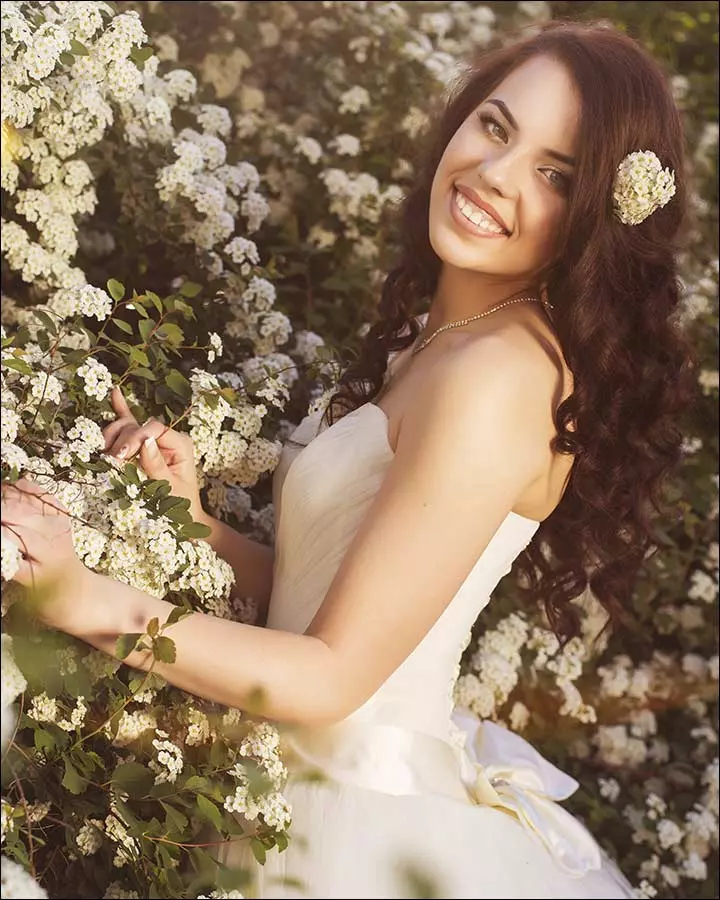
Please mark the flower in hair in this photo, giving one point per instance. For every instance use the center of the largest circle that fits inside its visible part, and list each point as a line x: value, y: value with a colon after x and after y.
x: 641, y: 186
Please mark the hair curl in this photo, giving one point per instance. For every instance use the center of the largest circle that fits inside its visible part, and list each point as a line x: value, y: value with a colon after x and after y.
x: 615, y: 292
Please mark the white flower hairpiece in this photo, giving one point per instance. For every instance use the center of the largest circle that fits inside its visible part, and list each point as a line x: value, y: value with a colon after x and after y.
x: 641, y: 186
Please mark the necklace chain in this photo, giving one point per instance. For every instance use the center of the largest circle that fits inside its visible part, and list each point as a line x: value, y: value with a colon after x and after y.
x: 481, y: 315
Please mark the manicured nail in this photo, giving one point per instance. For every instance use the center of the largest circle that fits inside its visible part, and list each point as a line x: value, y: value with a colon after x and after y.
x: 150, y: 445
x: 122, y: 452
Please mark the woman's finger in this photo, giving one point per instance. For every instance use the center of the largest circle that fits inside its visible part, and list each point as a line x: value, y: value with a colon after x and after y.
x: 152, y: 461
x: 126, y: 436
x: 120, y: 405
x: 130, y: 439
x: 111, y: 431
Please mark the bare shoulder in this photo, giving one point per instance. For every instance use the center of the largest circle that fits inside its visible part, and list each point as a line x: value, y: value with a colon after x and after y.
x: 506, y: 373
x: 480, y: 409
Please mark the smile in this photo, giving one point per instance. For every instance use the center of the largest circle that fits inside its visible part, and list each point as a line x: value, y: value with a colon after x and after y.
x: 474, y: 218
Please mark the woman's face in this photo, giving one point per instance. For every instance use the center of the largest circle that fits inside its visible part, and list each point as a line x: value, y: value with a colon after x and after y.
x: 501, y: 189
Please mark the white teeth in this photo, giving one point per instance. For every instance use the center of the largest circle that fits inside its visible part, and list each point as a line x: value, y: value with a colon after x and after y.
x: 476, y: 215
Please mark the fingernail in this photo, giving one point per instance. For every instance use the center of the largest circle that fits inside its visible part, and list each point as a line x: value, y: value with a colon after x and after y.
x: 122, y: 452
x: 150, y: 445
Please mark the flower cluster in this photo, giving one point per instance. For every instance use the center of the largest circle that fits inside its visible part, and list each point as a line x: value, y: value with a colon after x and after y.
x: 641, y: 186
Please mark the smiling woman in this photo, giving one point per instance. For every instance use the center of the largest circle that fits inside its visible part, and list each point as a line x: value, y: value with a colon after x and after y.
x: 505, y: 175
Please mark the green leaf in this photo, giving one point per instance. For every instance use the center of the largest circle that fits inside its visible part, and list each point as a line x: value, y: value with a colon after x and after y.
x: 79, y: 49
x: 72, y: 780
x: 145, y: 327
x: 168, y: 503
x: 194, y: 530
x: 137, y: 355
x: 281, y: 841
x: 140, y: 54
x: 116, y: 289
x: 171, y: 333
x: 173, y: 817
x: 125, y: 644
x: 190, y: 289
x: 197, y: 783
x: 164, y: 649
x: 178, y: 383
x: 44, y: 740
x: 209, y: 811
x: 177, y: 615
x: 184, y: 308
x: 179, y: 516
x: 143, y: 372
x: 133, y: 778
x: 123, y: 326
x: 258, y: 850
x: 121, y: 345
x: 156, y: 301
x: 47, y: 321
x: 153, y: 627
x: 67, y: 59
x: 19, y: 365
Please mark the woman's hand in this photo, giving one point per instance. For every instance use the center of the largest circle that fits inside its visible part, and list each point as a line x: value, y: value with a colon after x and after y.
x: 162, y: 452
x: 39, y: 525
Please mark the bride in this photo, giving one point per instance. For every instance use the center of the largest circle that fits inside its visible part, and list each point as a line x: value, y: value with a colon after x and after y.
x: 527, y: 411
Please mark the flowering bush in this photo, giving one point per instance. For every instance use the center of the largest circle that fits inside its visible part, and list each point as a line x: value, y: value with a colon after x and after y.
x: 245, y: 201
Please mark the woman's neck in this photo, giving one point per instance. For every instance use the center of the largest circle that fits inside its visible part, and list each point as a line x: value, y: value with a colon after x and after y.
x: 460, y: 294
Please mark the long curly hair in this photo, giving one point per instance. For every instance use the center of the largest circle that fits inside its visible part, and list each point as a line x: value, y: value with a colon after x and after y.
x: 615, y: 293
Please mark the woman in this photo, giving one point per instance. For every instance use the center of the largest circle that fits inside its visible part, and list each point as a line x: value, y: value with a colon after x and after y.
x: 535, y: 407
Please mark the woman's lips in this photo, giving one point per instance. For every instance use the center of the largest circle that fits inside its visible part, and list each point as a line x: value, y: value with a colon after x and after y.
x: 466, y: 224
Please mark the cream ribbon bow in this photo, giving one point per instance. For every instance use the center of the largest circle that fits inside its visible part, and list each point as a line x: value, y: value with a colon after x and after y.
x: 501, y: 769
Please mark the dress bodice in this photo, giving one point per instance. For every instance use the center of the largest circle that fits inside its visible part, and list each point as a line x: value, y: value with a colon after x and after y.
x: 323, y: 486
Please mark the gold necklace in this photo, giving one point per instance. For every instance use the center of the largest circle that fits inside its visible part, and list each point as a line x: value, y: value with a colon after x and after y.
x: 481, y: 315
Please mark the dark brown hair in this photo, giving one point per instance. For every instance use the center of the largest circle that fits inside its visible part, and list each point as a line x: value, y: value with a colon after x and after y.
x: 614, y: 291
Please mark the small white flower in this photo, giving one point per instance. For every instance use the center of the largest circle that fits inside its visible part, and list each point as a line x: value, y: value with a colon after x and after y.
x: 346, y: 145
x: 609, y: 788
x: 354, y: 99
x: 641, y: 186
x: 90, y: 837
x: 216, y: 347
x: 11, y: 560
x: 310, y: 149
x: 669, y: 833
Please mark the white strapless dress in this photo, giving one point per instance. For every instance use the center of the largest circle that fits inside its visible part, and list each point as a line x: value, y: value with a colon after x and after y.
x: 402, y: 810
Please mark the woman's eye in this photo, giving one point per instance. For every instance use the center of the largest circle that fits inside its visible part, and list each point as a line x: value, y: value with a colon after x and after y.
x: 559, y: 180
x: 493, y: 127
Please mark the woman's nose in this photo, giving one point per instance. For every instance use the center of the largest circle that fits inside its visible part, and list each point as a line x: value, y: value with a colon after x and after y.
x: 498, y: 172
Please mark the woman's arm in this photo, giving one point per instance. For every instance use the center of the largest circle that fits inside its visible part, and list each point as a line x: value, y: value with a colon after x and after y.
x: 276, y: 674
x: 469, y: 446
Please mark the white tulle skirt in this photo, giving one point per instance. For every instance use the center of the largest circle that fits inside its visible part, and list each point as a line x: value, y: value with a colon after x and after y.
x: 397, y: 818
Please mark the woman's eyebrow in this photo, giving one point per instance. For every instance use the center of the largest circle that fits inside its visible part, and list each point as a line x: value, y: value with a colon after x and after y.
x: 502, y: 106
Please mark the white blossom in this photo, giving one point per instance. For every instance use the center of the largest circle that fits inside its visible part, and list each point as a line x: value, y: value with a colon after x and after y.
x: 354, y: 100
x: 641, y: 186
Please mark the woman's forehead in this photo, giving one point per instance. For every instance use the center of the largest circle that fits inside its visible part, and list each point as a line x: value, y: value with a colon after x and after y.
x: 544, y: 102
